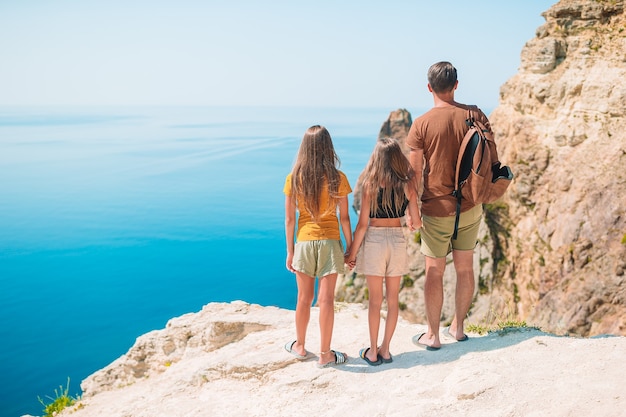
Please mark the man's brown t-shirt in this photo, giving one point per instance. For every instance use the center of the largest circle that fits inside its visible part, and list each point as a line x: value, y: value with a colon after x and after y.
x: 439, y: 133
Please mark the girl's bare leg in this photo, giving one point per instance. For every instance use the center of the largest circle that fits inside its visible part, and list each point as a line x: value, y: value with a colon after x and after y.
x: 326, y: 301
x: 375, y: 289
x: 392, y: 290
x: 306, y: 291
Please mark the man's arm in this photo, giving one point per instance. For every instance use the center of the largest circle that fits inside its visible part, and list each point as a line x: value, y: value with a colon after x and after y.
x: 414, y: 218
x: 416, y: 158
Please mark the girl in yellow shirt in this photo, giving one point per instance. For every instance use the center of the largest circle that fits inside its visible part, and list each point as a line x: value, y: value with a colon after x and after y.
x: 316, y: 190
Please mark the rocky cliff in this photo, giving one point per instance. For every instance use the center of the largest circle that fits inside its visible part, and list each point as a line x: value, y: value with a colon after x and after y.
x: 553, y: 251
x: 229, y: 360
x: 561, y: 125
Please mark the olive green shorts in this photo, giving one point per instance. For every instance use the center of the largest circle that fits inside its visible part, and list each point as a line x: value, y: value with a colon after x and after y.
x: 437, y: 233
x: 318, y: 258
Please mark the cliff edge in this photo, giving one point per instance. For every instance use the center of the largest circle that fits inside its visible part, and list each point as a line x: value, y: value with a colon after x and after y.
x: 228, y: 359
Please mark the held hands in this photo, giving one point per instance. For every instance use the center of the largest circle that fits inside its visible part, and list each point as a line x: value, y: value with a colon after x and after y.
x: 349, y: 260
x: 413, y: 225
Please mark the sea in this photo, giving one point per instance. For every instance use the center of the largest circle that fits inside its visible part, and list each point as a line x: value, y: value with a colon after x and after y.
x: 114, y: 220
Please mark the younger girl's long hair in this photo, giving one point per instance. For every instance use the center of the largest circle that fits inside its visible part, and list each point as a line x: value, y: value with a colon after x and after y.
x: 316, y: 166
x: 389, y: 169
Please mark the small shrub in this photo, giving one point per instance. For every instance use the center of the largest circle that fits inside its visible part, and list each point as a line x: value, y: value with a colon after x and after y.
x: 477, y: 328
x: 516, y: 296
x: 61, y: 400
x: 350, y: 281
x: 402, y: 306
x: 407, y: 281
x: 498, y: 323
x: 483, y: 285
x: 624, y: 239
x: 511, y: 323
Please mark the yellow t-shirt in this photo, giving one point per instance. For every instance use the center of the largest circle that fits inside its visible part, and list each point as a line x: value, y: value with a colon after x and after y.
x: 328, y: 225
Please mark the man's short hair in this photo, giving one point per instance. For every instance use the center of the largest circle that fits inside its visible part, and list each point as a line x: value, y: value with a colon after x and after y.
x: 442, y: 77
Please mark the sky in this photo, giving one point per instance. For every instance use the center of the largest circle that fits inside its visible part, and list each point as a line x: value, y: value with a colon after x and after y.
x: 328, y: 53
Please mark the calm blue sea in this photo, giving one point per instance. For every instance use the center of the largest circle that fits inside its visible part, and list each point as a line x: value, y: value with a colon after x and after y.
x: 114, y: 220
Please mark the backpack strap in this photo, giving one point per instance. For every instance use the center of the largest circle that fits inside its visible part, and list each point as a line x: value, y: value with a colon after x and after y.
x: 457, y: 217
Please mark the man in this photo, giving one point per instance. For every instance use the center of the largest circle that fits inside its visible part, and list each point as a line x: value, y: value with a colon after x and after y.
x: 434, y: 141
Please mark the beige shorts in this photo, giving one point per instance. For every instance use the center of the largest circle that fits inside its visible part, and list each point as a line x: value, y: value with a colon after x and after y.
x: 318, y: 258
x: 383, y: 253
x: 437, y: 233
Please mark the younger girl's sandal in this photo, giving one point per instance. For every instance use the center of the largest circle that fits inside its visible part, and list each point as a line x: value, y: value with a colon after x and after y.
x: 362, y: 355
x: 388, y: 360
x: 340, y: 359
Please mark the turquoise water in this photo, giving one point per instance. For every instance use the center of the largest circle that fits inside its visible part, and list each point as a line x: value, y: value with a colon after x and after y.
x: 114, y: 220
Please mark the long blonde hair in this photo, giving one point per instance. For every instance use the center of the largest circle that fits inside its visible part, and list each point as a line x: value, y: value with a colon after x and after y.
x: 388, y: 168
x: 316, y: 166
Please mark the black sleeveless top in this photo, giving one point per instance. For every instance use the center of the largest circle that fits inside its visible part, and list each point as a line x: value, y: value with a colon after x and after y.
x: 394, y: 213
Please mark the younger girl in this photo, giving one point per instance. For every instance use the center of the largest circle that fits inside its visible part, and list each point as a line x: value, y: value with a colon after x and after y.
x: 388, y: 189
x: 316, y: 188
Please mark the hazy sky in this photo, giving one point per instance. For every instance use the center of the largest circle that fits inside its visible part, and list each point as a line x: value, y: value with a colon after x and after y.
x: 239, y: 52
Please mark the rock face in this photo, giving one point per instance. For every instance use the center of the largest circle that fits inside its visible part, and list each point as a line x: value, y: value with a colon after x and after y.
x: 561, y: 126
x: 553, y: 251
